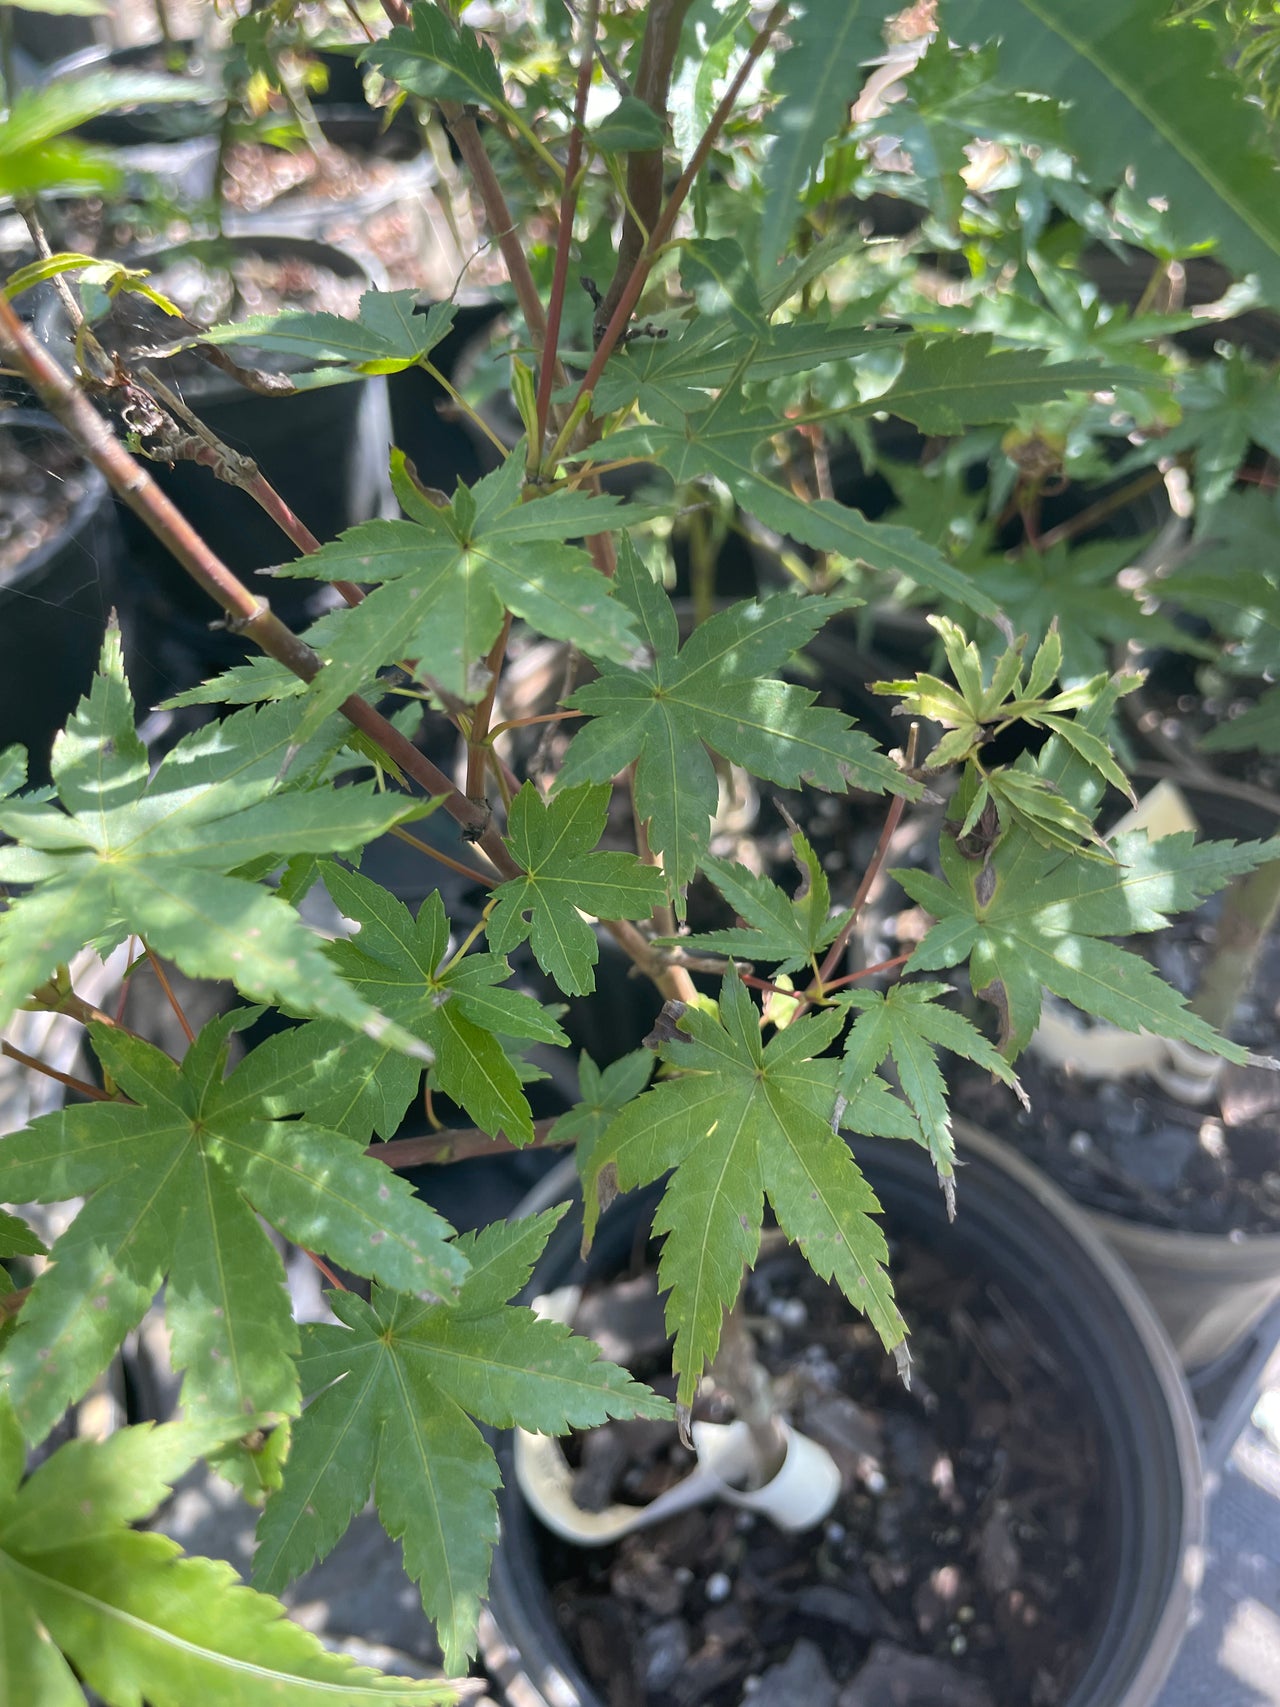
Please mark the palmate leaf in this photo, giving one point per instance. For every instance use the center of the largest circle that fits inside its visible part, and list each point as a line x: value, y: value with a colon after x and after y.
x: 909, y: 1023
x: 448, y: 575
x: 174, y: 1179
x: 398, y: 1387
x: 603, y: 1095
x: 563, y: 878
x: 1030, y: 918
x: 159, y: 857
x: 718, y: 691
x: 947, y: 384
x: 1144, y: 102
x: 668, y: 378
x: 438, y: 59
x: 815, y: 78
x: 742, y: 1120
x: 401, y: 965
x: 136, y: 1618
x: 385, y: 337
x: 785, y: 931
x: 722, y: 440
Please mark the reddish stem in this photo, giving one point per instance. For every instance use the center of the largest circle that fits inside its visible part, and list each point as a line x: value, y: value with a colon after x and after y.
x: 564, y: 232
x: 478, y: 739
x: 456, y: 1146
x: 324, y: 1268
x: 95, y: 1092
x: 667, y: 218
x: 172, y: 1000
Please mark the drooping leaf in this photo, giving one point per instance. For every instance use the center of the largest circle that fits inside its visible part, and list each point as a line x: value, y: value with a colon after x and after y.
x: 386, y: 336
x: 174, y: 1179
x: 741, y: 1120
x: 401, y: 965
x: 137, y: 1618
x: 160, y: 857
x: 563, y: 878
x: 398, y: 1386
x: 718, y: 691
x: 816, y: 79
x: 1145, y: 101
x: 448, y: 575
x: 909, y: 1023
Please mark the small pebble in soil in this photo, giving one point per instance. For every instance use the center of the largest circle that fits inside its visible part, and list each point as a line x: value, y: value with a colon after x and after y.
x: 1213, y: 1139
x: 718, y: 1588
x: 1080, y: 1143
x: 663, y: 1652
x: 801, y: 1680
x: 789, y: 1311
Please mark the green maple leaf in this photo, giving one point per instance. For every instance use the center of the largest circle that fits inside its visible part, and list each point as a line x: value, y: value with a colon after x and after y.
x: 1029, y: 919
x: 448, y: 575
x: 908, y: 1023
x: 161, y: 857
x: 722, y: 440
x: 176, y: 1180
x: 385, y: 337
x: 1147, y: 104
x: 744, y: 1119
x: 815, y: 78
x: 402, y: 966
x: 785, y: 930
x: 602, y: 1096
x: 947, y: 384
x: 718, y: 691
x: 398, y: 1387
x: 136, y: 1618
x: 438, y: 59
x: 563, y: 878
x: 669, y: 378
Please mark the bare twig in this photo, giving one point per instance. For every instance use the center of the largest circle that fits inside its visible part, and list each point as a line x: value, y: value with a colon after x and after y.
x: 167, y: 987
x: 457, y: 1146
x: 95, y: 1092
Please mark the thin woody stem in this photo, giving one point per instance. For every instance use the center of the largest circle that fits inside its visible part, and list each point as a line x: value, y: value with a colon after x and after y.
x: 892, y: 820
x: 666, y: 220
x: 253, y: 617
x: 167, y: 987
x: 95, y: 1092
x: 564, y: 233
x: 478, y: 736
x: 457, y: 1146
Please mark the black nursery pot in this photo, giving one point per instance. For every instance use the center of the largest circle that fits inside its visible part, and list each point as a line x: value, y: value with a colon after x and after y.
x: 1016, y: 1228
x: 55, y: 599
x: 325, y: 451
x: 172, y: 147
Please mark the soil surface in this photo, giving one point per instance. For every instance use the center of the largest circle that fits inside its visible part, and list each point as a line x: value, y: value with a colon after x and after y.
x: 42, y: 479
x: 959, y: 1566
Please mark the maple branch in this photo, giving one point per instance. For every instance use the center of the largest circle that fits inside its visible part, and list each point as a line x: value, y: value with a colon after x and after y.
x: 254, y: 618
x: 630, y: 294
x: 324, y: 1268
x: 664, y: 20
x: 165, y: 985
x: 564, y: 231
x: 94, y: 1092
x: 52, y: 998
x: 892, y: 819
x: 459, y: 1145
x: 478, y: 735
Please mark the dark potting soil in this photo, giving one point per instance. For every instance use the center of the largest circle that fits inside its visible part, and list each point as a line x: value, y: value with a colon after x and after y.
x: 42, y: 479
x: 959, y: 1567
x: 1130, y: 1148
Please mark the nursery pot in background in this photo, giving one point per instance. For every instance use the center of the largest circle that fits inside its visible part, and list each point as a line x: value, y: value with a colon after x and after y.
x: 59, y: 552
x: 325, y: 451
x: 1025, y: 1239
